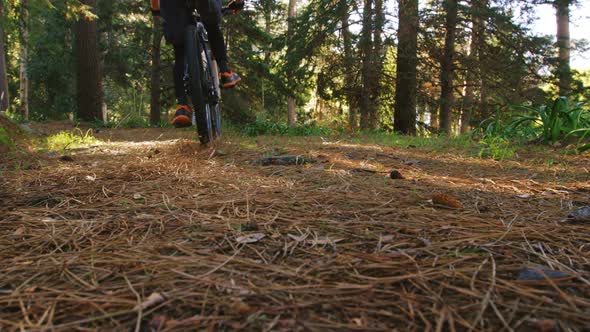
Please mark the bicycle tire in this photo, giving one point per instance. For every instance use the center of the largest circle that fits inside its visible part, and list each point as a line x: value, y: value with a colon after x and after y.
x: 216, y: 107
x: 194, y: 62
x: 211, y: 82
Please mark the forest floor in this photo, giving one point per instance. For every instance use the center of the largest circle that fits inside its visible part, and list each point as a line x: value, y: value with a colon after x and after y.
x: 149, y: 231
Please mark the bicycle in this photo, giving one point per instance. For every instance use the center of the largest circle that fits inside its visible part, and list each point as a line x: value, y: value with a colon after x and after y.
x: 200, y: 76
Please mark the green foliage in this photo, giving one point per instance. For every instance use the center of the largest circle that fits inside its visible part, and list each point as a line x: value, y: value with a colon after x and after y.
x: 497, y: 148
x: 556, y: 121
x: 5, y: 139
x: 549, y: 124
x: 51, y: 62
x: 267, y: 127
x: 69, y: 140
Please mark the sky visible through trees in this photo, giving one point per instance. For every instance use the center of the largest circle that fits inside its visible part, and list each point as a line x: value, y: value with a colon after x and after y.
x: 579, y: 28
x: 334, y: 63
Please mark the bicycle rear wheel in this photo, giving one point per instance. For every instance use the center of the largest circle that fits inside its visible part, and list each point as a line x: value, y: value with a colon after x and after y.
x: 196, y: 87
x: 216, y: 106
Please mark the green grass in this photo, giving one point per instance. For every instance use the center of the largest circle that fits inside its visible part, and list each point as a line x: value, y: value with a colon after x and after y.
x: 69, y: 140
x: 5, y: 139
x: 264, y: 126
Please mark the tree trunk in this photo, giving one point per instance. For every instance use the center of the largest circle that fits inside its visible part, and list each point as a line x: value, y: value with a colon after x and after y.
x: 564, y: 74
x: 292, y: 116
x: 473, y: 75
x: 155, y: 107
x: 267, y: 8
x: 88, y: 71
x: 377, y: 67
x: 23, y: 58
x: 447, y: 66
x: 366, y: 47
x: 348, y: 67
x: 404, y: 118
x: 4, y: 97
x: 480, y: 107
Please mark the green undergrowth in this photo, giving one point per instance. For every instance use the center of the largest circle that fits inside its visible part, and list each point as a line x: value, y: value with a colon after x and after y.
x: 264, y: 126
x: 5, y: 141
x: 65, y: 140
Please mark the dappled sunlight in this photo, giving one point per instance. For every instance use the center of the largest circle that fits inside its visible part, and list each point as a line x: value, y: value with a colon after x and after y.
x: 191, y: 217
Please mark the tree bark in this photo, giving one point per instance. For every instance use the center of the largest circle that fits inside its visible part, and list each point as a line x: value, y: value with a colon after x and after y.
x: 564, y: 74
x: 366, y: 47
x: 377, y: 67
x: 447, y: 66
x: 88, y: 71
x: 4, y: 96
x: 155, y: 106
x: 23, y: 58
x: 348, y: 67
x: 292, y: 115
x: 404, y: 117
x: 473, y: 75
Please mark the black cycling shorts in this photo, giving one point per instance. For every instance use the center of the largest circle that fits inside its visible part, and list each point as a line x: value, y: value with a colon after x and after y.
x: 176, y: 17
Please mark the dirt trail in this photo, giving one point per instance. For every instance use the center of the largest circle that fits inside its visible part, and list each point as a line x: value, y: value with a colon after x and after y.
x: 208, y: 241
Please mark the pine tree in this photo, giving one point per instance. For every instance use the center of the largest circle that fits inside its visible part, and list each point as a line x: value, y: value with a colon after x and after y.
x: 155, y: 107
x: 564, y: 73
x: 4, y: 96
x: 88, y: 72
x: 473, y: 75
x: 447, y: 65
x: 24, y: 58
x: 366, y: 50
x: 292, y: 116
x: 407, y: 61
x: 348, y: 65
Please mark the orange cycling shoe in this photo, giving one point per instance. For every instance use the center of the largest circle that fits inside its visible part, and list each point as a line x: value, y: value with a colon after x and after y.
x: 229, y: 79
x: 182, y: 117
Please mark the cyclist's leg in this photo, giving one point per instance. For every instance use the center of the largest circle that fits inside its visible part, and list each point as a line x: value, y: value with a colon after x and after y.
x: 175, y: 19
x: 210, y: 11
x: 178, y: 73
x: 182, y: 117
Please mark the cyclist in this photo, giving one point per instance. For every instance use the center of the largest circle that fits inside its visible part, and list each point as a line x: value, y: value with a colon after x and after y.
x: 176, y: 17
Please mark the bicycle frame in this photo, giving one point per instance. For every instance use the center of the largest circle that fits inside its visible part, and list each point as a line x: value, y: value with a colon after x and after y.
x: 213, y: 93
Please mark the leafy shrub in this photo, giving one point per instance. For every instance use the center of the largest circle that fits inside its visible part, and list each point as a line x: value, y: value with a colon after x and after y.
x: 497, y: 148
x: 547, y: 124
x: 5, y: 139
x: 65, y: 139
x: 268, y: 127
x: 556, y: 121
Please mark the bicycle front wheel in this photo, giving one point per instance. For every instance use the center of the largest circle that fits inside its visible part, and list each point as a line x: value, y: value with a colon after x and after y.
x: 196, y: 88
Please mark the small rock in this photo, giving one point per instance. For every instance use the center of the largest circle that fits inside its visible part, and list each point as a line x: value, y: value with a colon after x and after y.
x: 19, y: 231
x: 241, y: 307
x: 250, y: 238
x: 396, y: 175
x: 158, y: 323
x: 362, y: 171
x: 539, y: 272
x: 542, y: 325
x: 411, y: 162
x: 249, y: 227
x: 580, y: 215
x: 283, y: 161
x: 355, y: 156
x: 66, y: 158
